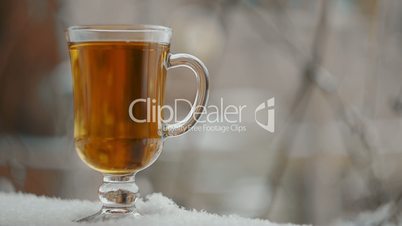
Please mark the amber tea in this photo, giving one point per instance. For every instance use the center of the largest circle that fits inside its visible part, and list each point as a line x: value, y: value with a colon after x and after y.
x: 108, y: 76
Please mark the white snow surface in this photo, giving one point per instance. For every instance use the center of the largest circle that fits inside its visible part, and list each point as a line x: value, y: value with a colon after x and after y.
x: 156, y: 209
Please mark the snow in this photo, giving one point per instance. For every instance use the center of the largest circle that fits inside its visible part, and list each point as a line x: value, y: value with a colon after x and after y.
x: 30, y: 210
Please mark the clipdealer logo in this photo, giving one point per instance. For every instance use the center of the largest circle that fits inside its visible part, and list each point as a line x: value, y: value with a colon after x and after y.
x: 269, y: 107
x: 215, y: 118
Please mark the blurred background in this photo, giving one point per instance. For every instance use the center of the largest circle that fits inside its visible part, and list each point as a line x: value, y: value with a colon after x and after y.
x: 334, y: 68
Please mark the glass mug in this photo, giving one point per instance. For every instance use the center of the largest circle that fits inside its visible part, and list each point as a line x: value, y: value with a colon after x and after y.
x: 117, y: 70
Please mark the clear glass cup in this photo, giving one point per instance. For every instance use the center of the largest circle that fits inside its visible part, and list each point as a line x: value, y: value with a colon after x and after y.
x: 119, y: 74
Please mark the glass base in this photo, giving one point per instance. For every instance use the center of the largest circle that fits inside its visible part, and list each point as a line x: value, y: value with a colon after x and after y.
x: 118, y: 194
x: 111, y: 214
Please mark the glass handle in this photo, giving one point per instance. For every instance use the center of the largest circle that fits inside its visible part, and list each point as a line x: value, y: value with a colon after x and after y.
x: 201, y: 74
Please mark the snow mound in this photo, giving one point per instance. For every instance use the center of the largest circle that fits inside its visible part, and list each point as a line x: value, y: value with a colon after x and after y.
x: 156, y: 209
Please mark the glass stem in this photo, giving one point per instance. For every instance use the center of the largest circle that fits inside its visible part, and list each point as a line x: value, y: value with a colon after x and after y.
x: 118, y: 193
